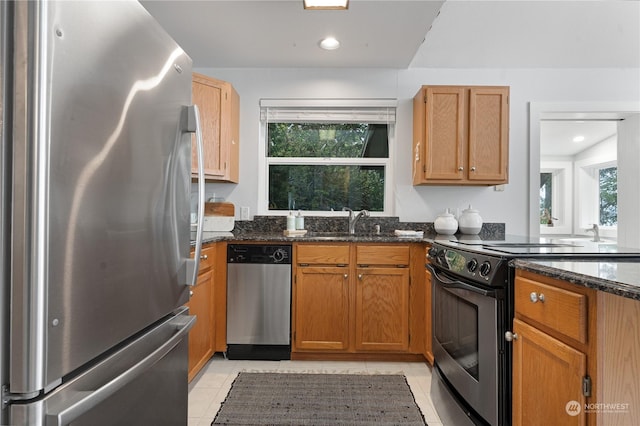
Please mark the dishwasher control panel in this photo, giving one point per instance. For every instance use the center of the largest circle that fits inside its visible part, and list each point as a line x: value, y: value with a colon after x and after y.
x: 259, y: 253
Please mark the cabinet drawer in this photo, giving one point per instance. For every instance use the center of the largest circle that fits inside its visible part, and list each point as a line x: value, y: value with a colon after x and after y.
x: 330, y: 254
x: 562, y: 310
x: 207, y: 258
x: 382, y: 255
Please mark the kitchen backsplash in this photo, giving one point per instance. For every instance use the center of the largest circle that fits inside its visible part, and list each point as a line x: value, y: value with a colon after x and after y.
x: 260, y: 224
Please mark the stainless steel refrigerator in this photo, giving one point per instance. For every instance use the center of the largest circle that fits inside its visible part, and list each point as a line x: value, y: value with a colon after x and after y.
x: 95, y: 185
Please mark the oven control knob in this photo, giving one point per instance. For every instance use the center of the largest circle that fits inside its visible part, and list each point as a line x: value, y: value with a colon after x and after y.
x: 485, y: 268
x: 472, y: 265
x: 433, y: 252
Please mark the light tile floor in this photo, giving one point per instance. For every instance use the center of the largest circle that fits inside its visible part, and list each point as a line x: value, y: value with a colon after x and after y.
x: 210, y: 387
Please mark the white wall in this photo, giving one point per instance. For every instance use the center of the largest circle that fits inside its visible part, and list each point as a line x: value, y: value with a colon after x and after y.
x: 425, y: 202
x: 628, y: 178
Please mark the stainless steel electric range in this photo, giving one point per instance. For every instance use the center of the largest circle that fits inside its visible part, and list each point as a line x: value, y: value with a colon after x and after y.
x: 472, y: 308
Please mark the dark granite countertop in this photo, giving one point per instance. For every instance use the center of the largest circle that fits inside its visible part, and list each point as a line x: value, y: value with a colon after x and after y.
x: 279, y: 237
x: 609, y: 275
x: 328, y: 229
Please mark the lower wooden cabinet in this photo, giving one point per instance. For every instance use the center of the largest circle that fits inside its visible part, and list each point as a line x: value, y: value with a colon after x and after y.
x: 428, y: 328
x: 382, y: 309
x: 321, y: 314
x: 548, y: 377
x: 554, y: 344
x: 201, y: 302
x: 575, y: 354
x: 351, y: 298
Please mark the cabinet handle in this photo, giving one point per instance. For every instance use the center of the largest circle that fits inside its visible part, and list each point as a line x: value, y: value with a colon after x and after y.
x: 535, y: 297
x: 473, y: 169
x: 509, y: 336
x: 460, y: 168
x: 360, y: 277
x: 204, y: 257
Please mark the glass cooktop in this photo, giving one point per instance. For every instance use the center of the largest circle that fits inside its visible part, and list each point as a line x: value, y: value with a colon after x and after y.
x: 539, y: 246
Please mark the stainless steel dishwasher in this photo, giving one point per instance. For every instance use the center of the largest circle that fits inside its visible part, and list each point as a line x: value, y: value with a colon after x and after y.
x: 258, y: 301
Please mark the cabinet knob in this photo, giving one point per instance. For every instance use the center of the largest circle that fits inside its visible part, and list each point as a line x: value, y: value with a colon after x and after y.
x: 204, y: 257
x: 460, y: 168
x: 535, y: 297
x: 360, y: 276
x: 190, y: 293
x: 346, y: 276
x: 509, y: 336
x: 473, y: 169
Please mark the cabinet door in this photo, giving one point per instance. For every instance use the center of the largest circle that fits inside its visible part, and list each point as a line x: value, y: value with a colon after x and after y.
x: 547, y: 379
x: 321, y: 316
x: 428, y: 339
x: 201, y: 335
x: 488, y: 134
x: 208, y: 94
x: 445, y: 139
x: 382, y: 309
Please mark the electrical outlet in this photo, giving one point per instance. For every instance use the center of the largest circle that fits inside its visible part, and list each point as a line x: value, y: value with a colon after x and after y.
x: 244, y: 213
x: 498, y: 188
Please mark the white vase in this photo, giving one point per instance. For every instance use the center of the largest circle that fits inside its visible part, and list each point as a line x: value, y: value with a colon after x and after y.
x: 446, y: 224
x: 470, y: 221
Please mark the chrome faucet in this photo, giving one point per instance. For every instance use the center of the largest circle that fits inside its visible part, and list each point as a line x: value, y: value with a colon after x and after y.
x: 596, y: 232
x: 354, y: 218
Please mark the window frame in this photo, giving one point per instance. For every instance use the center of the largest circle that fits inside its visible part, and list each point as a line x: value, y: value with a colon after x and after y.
x: 363, y: 107
x: 588, y: 196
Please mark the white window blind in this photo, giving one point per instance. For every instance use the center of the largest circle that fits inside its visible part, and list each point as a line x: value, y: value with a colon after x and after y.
x: 328, y: 110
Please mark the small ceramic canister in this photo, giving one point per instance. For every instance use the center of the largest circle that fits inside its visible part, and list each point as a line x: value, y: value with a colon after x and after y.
x: 470, y: 221
x: 446, y: 224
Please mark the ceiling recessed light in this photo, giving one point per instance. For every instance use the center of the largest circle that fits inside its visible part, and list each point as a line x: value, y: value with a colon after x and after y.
x: 578, y: 138
x: 329, y: 43
x: 326, y: 4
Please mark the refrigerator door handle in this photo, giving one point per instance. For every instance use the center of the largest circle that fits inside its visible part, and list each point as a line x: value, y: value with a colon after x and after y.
x: 193, y: 125
x: 86, y: 400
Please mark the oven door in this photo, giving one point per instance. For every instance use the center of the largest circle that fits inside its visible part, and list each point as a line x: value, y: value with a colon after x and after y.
x: 465, y: 348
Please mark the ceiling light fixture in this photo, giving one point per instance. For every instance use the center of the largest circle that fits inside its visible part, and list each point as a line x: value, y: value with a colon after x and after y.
x: 329, y: 43
x: 579, y: 138
x: 326, y: 4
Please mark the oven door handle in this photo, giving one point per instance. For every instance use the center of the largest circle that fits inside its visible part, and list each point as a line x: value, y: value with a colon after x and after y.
x: 449, y: 283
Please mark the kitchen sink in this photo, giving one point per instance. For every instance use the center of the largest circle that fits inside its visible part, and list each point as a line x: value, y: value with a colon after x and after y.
x: 329, y: 236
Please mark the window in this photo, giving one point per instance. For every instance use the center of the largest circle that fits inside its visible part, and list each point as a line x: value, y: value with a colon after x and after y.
x: 556, y: 194
x: 597, y: 188
x: 608, y: 189
x: 546, y: 198
x: 321, y: 156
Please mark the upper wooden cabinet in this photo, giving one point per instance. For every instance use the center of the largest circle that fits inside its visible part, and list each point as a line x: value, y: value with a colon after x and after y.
x: 219, y: 106
x: 461, y: 135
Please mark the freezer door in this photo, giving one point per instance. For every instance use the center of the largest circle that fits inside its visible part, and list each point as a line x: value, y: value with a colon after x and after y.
x: 144, y: 383
x: 101, y: 183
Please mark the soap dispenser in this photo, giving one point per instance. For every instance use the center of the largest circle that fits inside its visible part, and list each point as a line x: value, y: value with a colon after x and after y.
x: 291, y: 222
x: 299, y: 220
